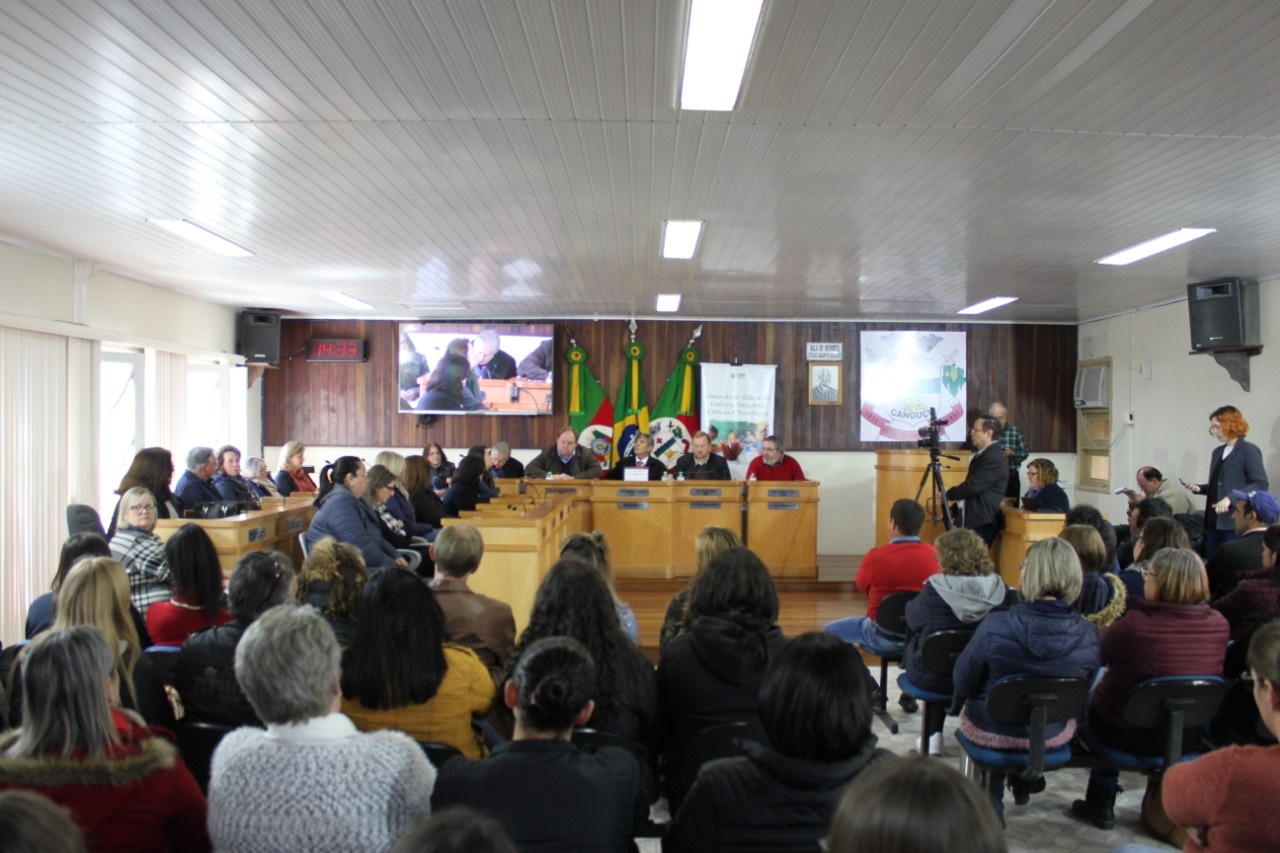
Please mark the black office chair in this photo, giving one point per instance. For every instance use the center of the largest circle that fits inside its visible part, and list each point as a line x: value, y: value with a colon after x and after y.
x: 196, y: 742
x: 165, y: 661
x: 722, y: 741
x: 589, y: 740
x: 438, y: 753
x: 1034, y: 702
x: 940, y: 652
x: 891, y: 621
x: 82, y: 518
x: 1171, y: 705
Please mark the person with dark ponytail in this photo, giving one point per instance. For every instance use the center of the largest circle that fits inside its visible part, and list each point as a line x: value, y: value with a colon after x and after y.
x: 342, y: 514
x: 197, y: 589
x: 548, y: 794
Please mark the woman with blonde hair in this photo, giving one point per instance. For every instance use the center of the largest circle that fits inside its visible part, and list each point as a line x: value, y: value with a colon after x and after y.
x: 258, y: 475
x: 708, y: 543
x: 141, y: 551
x: 593, y: 549
x: 332, y: 580
x: 96, y: 593
x: 1043, y: 492
x: 290, y: 475
x: 398, y: 502
x: 1172, y: 631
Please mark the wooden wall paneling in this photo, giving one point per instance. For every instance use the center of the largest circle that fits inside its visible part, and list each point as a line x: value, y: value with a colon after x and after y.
x: 1029, y: 368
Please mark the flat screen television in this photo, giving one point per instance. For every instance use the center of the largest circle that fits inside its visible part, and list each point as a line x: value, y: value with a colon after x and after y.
x: 476, y: 369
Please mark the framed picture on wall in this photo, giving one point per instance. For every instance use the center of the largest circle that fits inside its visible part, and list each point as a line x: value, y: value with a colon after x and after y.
x: 825, y: 387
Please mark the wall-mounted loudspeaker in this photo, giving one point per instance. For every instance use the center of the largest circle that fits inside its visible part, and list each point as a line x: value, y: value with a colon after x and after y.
x: 1224, y: 315
x: 259, y: 338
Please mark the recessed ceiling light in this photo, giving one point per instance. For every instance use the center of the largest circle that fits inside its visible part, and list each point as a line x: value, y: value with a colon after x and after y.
x: 680, y: 238
x: 202, y: 237
x: 1154, y: 246
x: 668, y: 302
x: 349, y: 301
x: 988, y: 304
x: 716, y: 52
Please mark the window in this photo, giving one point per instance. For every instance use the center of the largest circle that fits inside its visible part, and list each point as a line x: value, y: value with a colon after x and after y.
x: 120, y: 418
x: 1093, y: 434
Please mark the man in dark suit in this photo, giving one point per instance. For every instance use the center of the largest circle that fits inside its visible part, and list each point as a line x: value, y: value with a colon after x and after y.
x: 1253, y: 511
x: 643, y: 445
x: 503, y: 465
x: 487, y: 358
x: 983, y: 489
x: 702, y: 464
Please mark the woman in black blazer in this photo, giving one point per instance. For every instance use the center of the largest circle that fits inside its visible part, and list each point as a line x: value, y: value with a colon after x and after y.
x: 1236, y: 465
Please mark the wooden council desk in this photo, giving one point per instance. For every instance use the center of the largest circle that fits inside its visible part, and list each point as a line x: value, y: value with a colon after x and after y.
x: 276, y: 526
x: 1022, y: 529
x: 782, y: 526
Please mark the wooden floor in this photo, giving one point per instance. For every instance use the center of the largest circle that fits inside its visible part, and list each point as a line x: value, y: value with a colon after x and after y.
x: 805, y: 606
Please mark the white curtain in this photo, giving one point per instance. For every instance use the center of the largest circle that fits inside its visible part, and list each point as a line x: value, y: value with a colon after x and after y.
x: 166, y: 404
x: 34, y: 414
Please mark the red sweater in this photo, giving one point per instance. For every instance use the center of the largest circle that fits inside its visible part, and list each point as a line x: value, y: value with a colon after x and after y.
x: 170, y: 623
x: 787, y: 469
x: 896, y: 567
x: 1232, y: 792
x: 138, y: 797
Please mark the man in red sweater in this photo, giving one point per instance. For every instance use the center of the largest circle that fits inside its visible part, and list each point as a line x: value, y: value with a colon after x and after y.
x: 773, y: 463
x: 901, y: 566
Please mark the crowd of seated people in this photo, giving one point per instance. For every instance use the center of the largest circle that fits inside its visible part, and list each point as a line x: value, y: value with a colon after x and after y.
x: 328, y: 696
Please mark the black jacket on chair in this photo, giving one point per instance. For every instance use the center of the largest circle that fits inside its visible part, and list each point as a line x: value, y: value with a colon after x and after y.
x: 206, y: 678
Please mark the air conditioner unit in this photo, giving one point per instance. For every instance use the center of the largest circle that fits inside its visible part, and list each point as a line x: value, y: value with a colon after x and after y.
x: 1093, y: 387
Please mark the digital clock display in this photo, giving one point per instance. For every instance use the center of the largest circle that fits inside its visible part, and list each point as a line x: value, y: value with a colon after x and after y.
x: 335, y: 349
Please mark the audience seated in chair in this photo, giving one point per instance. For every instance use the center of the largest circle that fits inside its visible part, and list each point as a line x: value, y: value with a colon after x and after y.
x: 40, y: 613
x: 311, y: 781
x: 152, y: 469
x: 483, y: 624
x: 1257, y: 596
x: 400, y: 673
x: 1043, y: 636
x: 1103, y: 596
x: 30, y: 823
x: 1171, y: 631
x: 197, y: 589
x: 205, y: 676
x: 816, y: 711
x: 456, y: 830
x: 593, y: 549
x: 547, y: 793
x: 708, y: 543
x: 141, y: 551
x: 342, y: 514
x: 918, y: 805
x: 331, y: 581
x: 713, y: 674
x: 124, y: 783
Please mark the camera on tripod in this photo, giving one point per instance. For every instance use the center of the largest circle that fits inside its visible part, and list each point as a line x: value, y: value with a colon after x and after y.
x: 930, y: 433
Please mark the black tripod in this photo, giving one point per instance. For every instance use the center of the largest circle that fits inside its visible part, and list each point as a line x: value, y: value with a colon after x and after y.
x: 937, y: 505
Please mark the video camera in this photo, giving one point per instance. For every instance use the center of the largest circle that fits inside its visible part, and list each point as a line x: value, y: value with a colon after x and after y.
x: 929, y: 433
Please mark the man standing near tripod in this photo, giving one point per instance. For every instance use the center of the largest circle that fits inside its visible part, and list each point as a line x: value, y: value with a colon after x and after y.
x: 984, y: 487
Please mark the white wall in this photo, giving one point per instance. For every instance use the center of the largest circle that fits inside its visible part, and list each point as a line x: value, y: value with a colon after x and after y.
x: 1171, y: 394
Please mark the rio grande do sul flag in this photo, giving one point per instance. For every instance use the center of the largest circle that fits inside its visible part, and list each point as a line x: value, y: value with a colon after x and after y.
x: 675, y: 415
x: 590, y: 412
x: 631, y: 409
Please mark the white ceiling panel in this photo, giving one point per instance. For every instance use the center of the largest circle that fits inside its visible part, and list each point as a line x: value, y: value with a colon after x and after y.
x: 517, y: 158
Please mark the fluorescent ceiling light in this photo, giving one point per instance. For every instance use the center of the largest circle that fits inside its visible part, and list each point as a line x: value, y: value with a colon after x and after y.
x: 349, y: 301
x: 202, y: 237
x: 680, y: 238
x: 988, y: 304
x: 1154, y: 247
x: 716, y: 52
x: 668, y: 302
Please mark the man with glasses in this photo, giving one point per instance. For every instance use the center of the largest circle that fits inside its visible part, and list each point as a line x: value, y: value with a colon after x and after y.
x: 195, y: 486
x: 983, y: 489
x: 1252, y: 513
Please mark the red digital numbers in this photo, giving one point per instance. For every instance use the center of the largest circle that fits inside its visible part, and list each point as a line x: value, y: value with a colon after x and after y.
x: 335, y: 350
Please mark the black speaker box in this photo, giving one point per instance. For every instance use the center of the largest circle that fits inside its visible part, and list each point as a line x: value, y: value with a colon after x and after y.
x: 259, y: 338
x: 1224, y: 315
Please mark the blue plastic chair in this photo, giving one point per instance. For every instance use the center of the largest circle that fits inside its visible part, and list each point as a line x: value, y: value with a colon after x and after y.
x: 939, y: 652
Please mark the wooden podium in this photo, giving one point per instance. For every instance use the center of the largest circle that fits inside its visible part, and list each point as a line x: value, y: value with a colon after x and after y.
x: 1022, y: 529
x: 782, y: 526
x: 637, y: 518
x: 276, y: 526
x: 898, y: 474
x: 700, y: 504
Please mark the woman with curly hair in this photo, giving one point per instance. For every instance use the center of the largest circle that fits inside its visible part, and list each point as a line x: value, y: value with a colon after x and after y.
x: 712, y: 675
x: 1236, y: 465
x: 593, y: 549
x: 332, y: 580
x: 1102, y: 597
x: 708, y: 543
x: 574, y: 601
x: 1043, y: 492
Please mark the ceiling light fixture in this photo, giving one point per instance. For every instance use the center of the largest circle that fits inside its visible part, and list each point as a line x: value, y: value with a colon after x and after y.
x: 1154, y: 246
x: 716, y: 52
x: 668, y: 302
x: 202, y: 237
x: 680, y: 238
x: 988, y: 304
x: 349, y: 301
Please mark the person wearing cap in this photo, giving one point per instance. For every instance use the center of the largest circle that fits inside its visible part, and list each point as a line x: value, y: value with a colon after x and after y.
x: 1252, y: 512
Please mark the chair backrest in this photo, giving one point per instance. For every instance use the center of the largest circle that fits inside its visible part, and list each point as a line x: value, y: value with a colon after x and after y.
x: 720, y: 741
x: 438, y: 753
x: 891, y: 615
x: 1036, y: 702
x: 82, y: 518
x: 941, y: 649
x: 196, y: 742
x: 1172, y: 704
x: 165, y: 661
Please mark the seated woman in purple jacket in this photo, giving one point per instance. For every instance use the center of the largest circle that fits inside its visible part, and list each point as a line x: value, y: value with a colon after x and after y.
x: 1043, y: 636
x: 343, y: 515
x: 1172, y: 631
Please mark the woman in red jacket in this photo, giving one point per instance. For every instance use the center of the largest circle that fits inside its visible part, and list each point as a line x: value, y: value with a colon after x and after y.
x: 124, y: 783
x: 1172, y: 631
